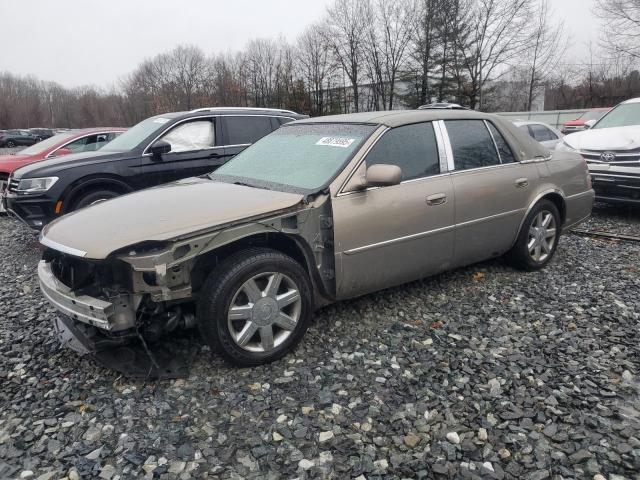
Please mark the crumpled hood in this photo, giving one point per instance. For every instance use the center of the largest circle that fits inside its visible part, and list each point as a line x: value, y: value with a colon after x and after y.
x: 161, y: 213
x: 615, y: 139
x: 8, y: 163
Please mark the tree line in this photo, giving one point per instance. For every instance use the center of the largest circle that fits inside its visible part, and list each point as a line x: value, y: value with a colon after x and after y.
x: 362, y: 55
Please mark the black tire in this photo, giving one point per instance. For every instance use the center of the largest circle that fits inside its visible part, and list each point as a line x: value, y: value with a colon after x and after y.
x: 519, y: 256
x: 221, y: 289
x: 90, y: 198
x: 10, y: 144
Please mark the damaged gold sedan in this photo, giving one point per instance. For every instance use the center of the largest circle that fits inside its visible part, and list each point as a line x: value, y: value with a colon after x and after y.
x: 319, y: 211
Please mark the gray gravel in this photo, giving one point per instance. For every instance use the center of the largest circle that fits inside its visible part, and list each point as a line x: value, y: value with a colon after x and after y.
x: 484, y: 372
x: 7, y: 151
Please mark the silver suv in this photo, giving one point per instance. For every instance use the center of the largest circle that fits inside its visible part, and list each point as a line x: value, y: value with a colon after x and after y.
x: 319, y: 211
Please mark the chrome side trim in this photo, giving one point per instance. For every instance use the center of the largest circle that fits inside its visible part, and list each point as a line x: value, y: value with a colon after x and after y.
x: 442, y: 148
x: 429, y: 232
x: 398, y: 240
x: 61, y: 248
x: 447, y: 146
x: 490, y: 217
x: 536, y: 160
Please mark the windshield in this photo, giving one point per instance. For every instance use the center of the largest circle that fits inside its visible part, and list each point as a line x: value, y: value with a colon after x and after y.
x: 135, y: 135
x: 624, y: 115
x: 46, y: 145
x: 303, y: 156
x: 592, y: 115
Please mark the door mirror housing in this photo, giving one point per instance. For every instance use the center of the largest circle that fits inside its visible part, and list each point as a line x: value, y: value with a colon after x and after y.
x: 589, y: 124
x: 383, y: 175
x: 159, y: 148
x: 378, y: 175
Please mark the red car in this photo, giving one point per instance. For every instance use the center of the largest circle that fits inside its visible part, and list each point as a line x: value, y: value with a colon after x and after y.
x: 75, y: 141
x: 577, y: 125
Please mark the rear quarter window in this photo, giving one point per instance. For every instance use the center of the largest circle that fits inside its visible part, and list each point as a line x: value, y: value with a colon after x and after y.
x: 246, y: 130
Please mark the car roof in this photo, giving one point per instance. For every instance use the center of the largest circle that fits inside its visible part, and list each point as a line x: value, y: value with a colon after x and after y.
x: 396, y: 118
x: 238, y: 111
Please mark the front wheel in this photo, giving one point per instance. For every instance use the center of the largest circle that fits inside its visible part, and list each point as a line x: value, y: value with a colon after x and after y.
x: 538, y: 238
x: 92, y: 198
x: 11, y: 144
x: 255, y: 307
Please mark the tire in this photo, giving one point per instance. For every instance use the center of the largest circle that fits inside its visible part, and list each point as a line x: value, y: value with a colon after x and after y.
x: 240, y: 340
x: 544, y: 246
x: 94, y: 197
x: 10, y: 144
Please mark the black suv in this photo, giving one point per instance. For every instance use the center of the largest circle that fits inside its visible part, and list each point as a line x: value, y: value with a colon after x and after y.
x: 42, y: 133
x: 158, y: 150
x: 16, y: 138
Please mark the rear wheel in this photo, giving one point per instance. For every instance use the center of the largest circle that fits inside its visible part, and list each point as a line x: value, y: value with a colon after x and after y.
x: 538, y: 238
x: 91, y: 198
x: 255, y: 307
x: 11, y: 144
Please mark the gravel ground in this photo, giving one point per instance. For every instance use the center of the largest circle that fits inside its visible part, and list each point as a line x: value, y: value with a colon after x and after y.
x: 484, y: 372
x: 7, y: 151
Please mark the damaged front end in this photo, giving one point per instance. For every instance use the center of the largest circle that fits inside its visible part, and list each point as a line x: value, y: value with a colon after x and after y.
x: 117, y: 309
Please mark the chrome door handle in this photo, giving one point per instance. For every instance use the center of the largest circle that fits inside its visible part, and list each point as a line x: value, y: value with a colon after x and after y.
x: 436, y: 199
x: 522, y: 182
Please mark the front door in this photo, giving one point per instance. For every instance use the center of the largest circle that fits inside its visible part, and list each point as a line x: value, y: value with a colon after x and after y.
x: 492, y: 190
x: 390, y: 235
x: 194, y: 151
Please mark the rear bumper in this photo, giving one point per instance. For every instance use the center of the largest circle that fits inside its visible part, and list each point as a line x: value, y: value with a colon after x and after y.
x: 578, y: 208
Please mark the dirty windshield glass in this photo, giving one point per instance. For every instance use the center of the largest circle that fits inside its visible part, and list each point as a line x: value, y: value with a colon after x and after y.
x: 623, y: 115
x: 300, y: 156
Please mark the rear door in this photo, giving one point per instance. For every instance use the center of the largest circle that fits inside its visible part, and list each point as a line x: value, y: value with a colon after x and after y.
x: 194, y: 151
x: 492, y: 190
x: 240, y: 131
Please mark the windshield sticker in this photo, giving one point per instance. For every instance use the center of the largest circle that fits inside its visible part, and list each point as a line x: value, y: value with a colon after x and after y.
x: 161, y: 121
x: 336, y: 142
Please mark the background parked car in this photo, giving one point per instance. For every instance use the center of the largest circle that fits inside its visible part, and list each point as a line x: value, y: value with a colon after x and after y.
x: 543, y: 133
x: 42, y: 133
x: 16, y: 138
x: 90, y: 139
x: 442, y: 106
x: 612, y: 151
x: 579, y: 123
x: 157, y: 150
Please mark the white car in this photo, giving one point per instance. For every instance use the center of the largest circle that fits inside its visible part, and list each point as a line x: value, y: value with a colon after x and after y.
x: 611, y: 148
x: 543, y: 133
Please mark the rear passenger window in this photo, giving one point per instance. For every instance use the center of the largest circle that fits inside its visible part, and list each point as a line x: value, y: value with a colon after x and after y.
x: 244, y: 130
x: 471, y: 144
x: 413, y: 148
x: 506, y: 154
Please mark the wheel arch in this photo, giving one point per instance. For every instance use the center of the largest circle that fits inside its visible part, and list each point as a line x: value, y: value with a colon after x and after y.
x: 292, y: 245
x: 87, y: 184
x: 556, y: 197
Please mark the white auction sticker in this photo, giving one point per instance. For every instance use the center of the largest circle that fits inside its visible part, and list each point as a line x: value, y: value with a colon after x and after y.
x: 161, y: 120
x: 336, y: 142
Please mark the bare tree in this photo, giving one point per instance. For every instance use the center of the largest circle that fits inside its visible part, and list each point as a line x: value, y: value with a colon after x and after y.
x: 347, y: 24
x: 546, y: 47
x: 316, y: 65
x: 622, y: 25
x: 496, y: 34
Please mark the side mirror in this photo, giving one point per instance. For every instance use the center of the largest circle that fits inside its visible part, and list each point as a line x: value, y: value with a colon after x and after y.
x: 160, y: 148
x: 383, y: 175
x: 589, y: 124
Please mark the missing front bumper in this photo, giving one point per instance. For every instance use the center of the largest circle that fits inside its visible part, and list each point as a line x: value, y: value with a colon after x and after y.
x: 126, y: 355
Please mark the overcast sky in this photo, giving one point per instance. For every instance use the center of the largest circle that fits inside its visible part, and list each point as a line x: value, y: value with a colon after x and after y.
x: 80, y: 42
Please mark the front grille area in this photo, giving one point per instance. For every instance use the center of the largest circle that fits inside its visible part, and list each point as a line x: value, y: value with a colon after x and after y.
x: 629, y: 158
x: 105, y: 279
x: 13, y: 185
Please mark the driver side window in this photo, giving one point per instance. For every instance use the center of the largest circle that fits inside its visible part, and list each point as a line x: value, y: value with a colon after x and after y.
x: 196, y: 135
x: 413, y: 148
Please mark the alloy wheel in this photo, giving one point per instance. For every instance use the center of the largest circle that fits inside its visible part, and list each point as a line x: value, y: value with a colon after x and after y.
x: 542, y: 236
x: 264, y: 312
